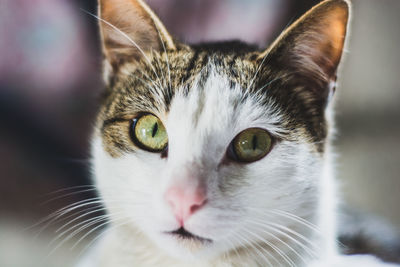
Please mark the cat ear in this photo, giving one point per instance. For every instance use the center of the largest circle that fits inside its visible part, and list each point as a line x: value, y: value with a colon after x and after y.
x: 130, y: 30
x: 313, y: 45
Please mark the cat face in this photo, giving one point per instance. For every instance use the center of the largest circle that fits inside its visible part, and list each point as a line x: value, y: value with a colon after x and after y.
x: 205, y: 149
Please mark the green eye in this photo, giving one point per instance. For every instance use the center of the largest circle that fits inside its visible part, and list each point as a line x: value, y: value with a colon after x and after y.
x: 250, y: 145
x: 149, y: 133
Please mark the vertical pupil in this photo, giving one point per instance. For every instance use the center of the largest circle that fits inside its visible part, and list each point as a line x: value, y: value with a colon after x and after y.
x: 254, y: 141
x: 155, y: 129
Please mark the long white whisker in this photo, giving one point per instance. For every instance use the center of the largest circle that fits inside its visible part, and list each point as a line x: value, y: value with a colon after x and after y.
x: 257, y: 250
x: 309, y: 250
x: 58, y: 214
x: 296, y: 218
x: 290, y: 216
x: 103, y: 233
x: 88, y: 233
x: 71, y: 235
x: 241, y: 245
x: 275, y: 248
x: 287, y: 229
x: 68, y: 194
x: 48, y: 217
x: 77, y: 218
x: 69, y: 188
x: 280, y: 240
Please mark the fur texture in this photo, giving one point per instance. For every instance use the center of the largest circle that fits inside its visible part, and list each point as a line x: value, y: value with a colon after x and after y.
x: 277, y: 211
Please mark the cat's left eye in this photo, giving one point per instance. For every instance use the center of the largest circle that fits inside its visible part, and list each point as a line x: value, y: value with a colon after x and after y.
x: 149, y: 133
x: 250, y: 145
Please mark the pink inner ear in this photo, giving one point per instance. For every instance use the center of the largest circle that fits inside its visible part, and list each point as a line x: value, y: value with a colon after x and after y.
x: 319, y: 45
x: 130, y: 18
x: 314, y: 43
x: 332, y: 34
x: 129, y: 30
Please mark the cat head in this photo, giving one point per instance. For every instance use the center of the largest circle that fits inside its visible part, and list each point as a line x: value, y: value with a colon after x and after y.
x: 205, y: 148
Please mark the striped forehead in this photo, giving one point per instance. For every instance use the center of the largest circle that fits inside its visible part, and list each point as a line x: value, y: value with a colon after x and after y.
x: 212, y: 113
x: 151, y: 88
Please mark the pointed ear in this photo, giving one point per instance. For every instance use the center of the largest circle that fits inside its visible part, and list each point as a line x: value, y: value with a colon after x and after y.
x: 130, y: 30
x: 313, y: 45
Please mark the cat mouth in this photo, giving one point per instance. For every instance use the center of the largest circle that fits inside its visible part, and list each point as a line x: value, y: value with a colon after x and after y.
x: 183, y: 234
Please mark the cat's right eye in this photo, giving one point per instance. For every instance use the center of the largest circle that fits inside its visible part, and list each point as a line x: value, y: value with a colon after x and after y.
x: 148, y: 133
x: 250, y: 145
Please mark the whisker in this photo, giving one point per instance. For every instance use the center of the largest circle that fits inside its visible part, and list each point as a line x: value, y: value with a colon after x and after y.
x: 76, y: 228
x: 309, y: 250
x: 275, y: 248
x: 262, y: 256
x: 81, y: 216
x: 69, y: 188
x: 280, y: 240
x: 297, y: 218
x: 101, y: 234
x: 291, y: 216
x: 236, y: 250
x: 66, y: 216
x: 61, y: 212
x: 66, y: 239
x: 68, y: 194
x: 294, y: 233
x: 91, y: 231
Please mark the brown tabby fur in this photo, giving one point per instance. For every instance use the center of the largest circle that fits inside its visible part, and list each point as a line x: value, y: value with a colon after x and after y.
x: 294, y: 72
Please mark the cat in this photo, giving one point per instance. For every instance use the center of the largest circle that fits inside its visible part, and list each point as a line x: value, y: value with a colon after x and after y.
x: 217, y: 154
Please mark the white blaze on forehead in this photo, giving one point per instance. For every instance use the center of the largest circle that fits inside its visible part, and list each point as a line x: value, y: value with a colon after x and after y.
x: 204, y: 122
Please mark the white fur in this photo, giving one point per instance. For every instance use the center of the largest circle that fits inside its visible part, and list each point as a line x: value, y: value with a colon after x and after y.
x: 241, y: 197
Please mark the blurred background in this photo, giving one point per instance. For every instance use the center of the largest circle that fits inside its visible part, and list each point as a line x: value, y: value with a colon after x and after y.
x: 50, y: 80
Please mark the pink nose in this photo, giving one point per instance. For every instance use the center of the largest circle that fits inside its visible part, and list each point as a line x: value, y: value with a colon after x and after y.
x: 185, y: 201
